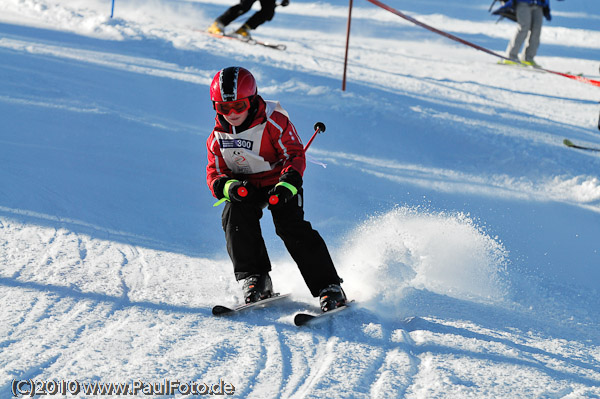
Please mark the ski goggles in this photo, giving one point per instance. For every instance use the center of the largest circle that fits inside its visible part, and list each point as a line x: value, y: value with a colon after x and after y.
x: 227, y: 107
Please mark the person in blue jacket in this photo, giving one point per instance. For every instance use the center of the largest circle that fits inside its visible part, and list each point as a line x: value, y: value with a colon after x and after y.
x: 529, y: 15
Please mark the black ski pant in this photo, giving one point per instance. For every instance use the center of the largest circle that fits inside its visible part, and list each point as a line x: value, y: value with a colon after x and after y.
x: 266, y: 12
x: 247, y: 250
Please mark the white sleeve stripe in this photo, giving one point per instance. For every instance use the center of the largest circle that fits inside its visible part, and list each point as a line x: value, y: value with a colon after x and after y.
x: 296, y: 135
x: 280, y: 141
x: 276, y: 125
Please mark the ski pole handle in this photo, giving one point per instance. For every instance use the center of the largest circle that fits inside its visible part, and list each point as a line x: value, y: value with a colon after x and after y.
x: 319, y: 127
x: 242, y: 191
x: 274, y: 199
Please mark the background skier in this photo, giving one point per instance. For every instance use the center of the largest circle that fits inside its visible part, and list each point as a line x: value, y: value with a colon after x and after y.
x: 266, y: 13
x: 529, y: 16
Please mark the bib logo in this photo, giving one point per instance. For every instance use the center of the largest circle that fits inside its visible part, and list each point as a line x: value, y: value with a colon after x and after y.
x: 236, y: 143
x: 239, y: 158
x: 241, y: 163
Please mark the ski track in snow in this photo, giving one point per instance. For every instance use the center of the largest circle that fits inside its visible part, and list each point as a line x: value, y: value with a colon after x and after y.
x: 110, y: 318
x: 115, y: 285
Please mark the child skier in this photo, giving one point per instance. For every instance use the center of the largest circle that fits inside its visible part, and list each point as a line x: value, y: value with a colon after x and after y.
x: 255, y: 153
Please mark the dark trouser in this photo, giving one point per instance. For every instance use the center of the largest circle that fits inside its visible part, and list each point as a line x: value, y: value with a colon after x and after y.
x: 247, y: 250
x: 267, y: 10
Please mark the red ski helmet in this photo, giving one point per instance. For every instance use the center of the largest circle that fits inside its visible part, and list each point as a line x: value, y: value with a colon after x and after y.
x: 231, y: 84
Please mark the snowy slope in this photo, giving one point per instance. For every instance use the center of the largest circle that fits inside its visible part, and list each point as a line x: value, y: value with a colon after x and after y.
x: 465, y: 230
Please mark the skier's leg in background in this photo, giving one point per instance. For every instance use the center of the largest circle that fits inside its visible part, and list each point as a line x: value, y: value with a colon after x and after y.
x: 523, y: 11
x: 537, y: 19
x: 266, y: 13
x: 233, y: 12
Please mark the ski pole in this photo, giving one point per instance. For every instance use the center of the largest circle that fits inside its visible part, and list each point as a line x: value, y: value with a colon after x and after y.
x: 319, y: 127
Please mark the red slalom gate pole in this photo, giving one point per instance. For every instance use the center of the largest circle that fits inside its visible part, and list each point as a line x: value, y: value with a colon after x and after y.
x: 347, y: 45
x: 319, y: 127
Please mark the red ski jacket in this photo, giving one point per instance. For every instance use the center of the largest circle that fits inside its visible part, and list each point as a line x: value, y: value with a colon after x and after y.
x: 269, y: 147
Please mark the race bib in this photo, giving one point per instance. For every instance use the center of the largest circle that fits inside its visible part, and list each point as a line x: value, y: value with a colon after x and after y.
x: 242, y: 151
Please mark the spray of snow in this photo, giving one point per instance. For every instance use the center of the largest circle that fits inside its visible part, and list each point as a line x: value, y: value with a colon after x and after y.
x: 407, y: 248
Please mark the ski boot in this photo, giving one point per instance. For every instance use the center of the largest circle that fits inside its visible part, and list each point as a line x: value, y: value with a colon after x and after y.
x: 216, y: 28
x: 332, y: 297
x: 244, y: 31
x: 532, y: 63
x: 509, y: 62
x: 257, y: 287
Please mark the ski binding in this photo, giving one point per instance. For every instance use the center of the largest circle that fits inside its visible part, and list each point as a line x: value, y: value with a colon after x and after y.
x: 220, y: 310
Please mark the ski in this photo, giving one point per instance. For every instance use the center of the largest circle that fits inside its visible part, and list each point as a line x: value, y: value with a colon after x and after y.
x: 220, y: 310
x: 521, y: 66
x: 233, y: 36
x: 569, y: 143
x: 578, y: 77
x: 302, y: 319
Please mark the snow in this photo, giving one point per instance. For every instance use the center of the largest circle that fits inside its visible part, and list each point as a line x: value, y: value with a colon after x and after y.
x: 464, y: 229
